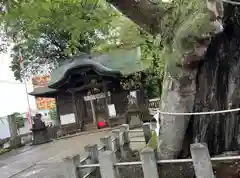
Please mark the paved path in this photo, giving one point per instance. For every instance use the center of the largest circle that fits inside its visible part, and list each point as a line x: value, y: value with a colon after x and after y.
x: 36, y: 159
x: 45, y: 161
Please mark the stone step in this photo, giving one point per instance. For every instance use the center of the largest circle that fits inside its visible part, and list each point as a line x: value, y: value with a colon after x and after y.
x: 90, y: 127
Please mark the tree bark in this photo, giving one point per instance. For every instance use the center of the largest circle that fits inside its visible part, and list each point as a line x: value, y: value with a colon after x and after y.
x: 218, y: 89
x: 178, y: 96
x: 179, y: 93
x: 143, y: 12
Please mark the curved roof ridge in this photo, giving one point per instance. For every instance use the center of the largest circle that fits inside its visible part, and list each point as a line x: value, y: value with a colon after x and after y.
x: 79, y: 62
x: 115, y: 63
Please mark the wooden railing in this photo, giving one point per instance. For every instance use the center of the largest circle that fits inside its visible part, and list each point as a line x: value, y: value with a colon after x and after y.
x: 153, y: 105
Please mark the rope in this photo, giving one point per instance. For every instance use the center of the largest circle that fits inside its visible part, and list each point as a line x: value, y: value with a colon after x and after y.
x: 231, y: 2
x: 198, y: 113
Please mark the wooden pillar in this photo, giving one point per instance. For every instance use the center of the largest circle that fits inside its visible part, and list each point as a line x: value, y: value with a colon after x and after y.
x: 93, y: 111
x: 74, y: 105
x: 58, y: 120
x: 84, y: 109
x: 93, y: 108
x: 81, y: 111
x: 106, y: 102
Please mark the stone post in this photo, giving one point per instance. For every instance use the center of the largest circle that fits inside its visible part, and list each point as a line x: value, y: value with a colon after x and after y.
x: 147, y: 131
x: 107, y: 159
x: 149, y: 164
x: 107, y: 142
x: 92, y: 151
x: 15, y: 141
x: 70, y: 166
x: 201, y: 161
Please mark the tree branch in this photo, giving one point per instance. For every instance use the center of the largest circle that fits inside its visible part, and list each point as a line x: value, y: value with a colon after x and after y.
x: 144, y: 13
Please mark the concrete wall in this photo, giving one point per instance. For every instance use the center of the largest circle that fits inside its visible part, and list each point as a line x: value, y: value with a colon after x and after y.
x: 5, y: 131
x: 4, y: 128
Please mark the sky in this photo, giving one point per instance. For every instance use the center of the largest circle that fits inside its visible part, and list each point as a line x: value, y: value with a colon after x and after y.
x: 13, y: 97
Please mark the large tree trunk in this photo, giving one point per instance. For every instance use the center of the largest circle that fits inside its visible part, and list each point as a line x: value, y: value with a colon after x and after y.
x: 144, y: 13
x: 178, y: 96
x: 218, y: 89
x: 178, y: 92
x: 217, y: 86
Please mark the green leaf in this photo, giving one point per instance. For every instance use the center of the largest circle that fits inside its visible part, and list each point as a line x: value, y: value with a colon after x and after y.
x: 153, y: 143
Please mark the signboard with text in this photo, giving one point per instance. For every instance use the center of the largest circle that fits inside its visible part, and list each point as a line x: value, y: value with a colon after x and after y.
x: 96, y: 96
x: 43, y: 103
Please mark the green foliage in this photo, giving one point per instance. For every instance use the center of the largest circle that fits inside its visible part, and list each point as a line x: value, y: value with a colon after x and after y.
x: 51, y: 31
x: 53, y: 113
x: 181, y: 27
x: 48, y: 32
x: 152, y: 52
x: 153, y: 143
x: 4, y: 150
x: 19, y: 119
x: 129, y: 34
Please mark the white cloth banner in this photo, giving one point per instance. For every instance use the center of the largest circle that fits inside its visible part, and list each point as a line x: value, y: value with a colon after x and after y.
x: 157, y: 118
x: 112, y: 110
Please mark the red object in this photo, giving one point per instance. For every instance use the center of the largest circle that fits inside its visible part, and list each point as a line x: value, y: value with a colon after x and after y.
x: 101, y: 124
x: 28, y: 116
x: 20, y: 60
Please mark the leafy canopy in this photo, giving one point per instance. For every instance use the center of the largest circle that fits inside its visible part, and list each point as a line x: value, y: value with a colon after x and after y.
x: 50, y: 31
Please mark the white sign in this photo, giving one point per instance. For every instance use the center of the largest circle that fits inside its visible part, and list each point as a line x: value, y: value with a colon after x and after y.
x: 157, y: 118
x: 133, y: 94
x: 132, y: 97
x: 67, y: 119
x: 112, y: 110
x: 94, y: 97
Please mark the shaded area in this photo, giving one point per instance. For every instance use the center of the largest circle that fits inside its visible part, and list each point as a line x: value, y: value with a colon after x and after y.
x: 218, y: 89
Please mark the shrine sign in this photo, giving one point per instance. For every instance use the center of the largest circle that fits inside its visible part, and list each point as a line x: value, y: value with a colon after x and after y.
x: 43, y: 103
x: 96, y: 96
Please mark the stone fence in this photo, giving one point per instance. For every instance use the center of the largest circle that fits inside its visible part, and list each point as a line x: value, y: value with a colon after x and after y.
x: 105, y: 161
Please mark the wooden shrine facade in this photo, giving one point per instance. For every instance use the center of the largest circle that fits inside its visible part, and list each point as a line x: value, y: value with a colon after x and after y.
x: 85, y: 86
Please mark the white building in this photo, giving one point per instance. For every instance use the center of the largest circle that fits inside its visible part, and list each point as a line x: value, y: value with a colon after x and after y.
x: 13, y: 97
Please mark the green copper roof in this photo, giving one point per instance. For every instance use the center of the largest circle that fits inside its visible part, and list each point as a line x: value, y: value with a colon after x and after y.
x: 127, y: 61
x: 116, y: 63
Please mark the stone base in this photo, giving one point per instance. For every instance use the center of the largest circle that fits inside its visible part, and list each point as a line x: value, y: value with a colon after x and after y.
x: 39, y: 143
x: 135, y: 122
x: 40, y: 137
x: 116, y: 121
x: 15, y: 143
